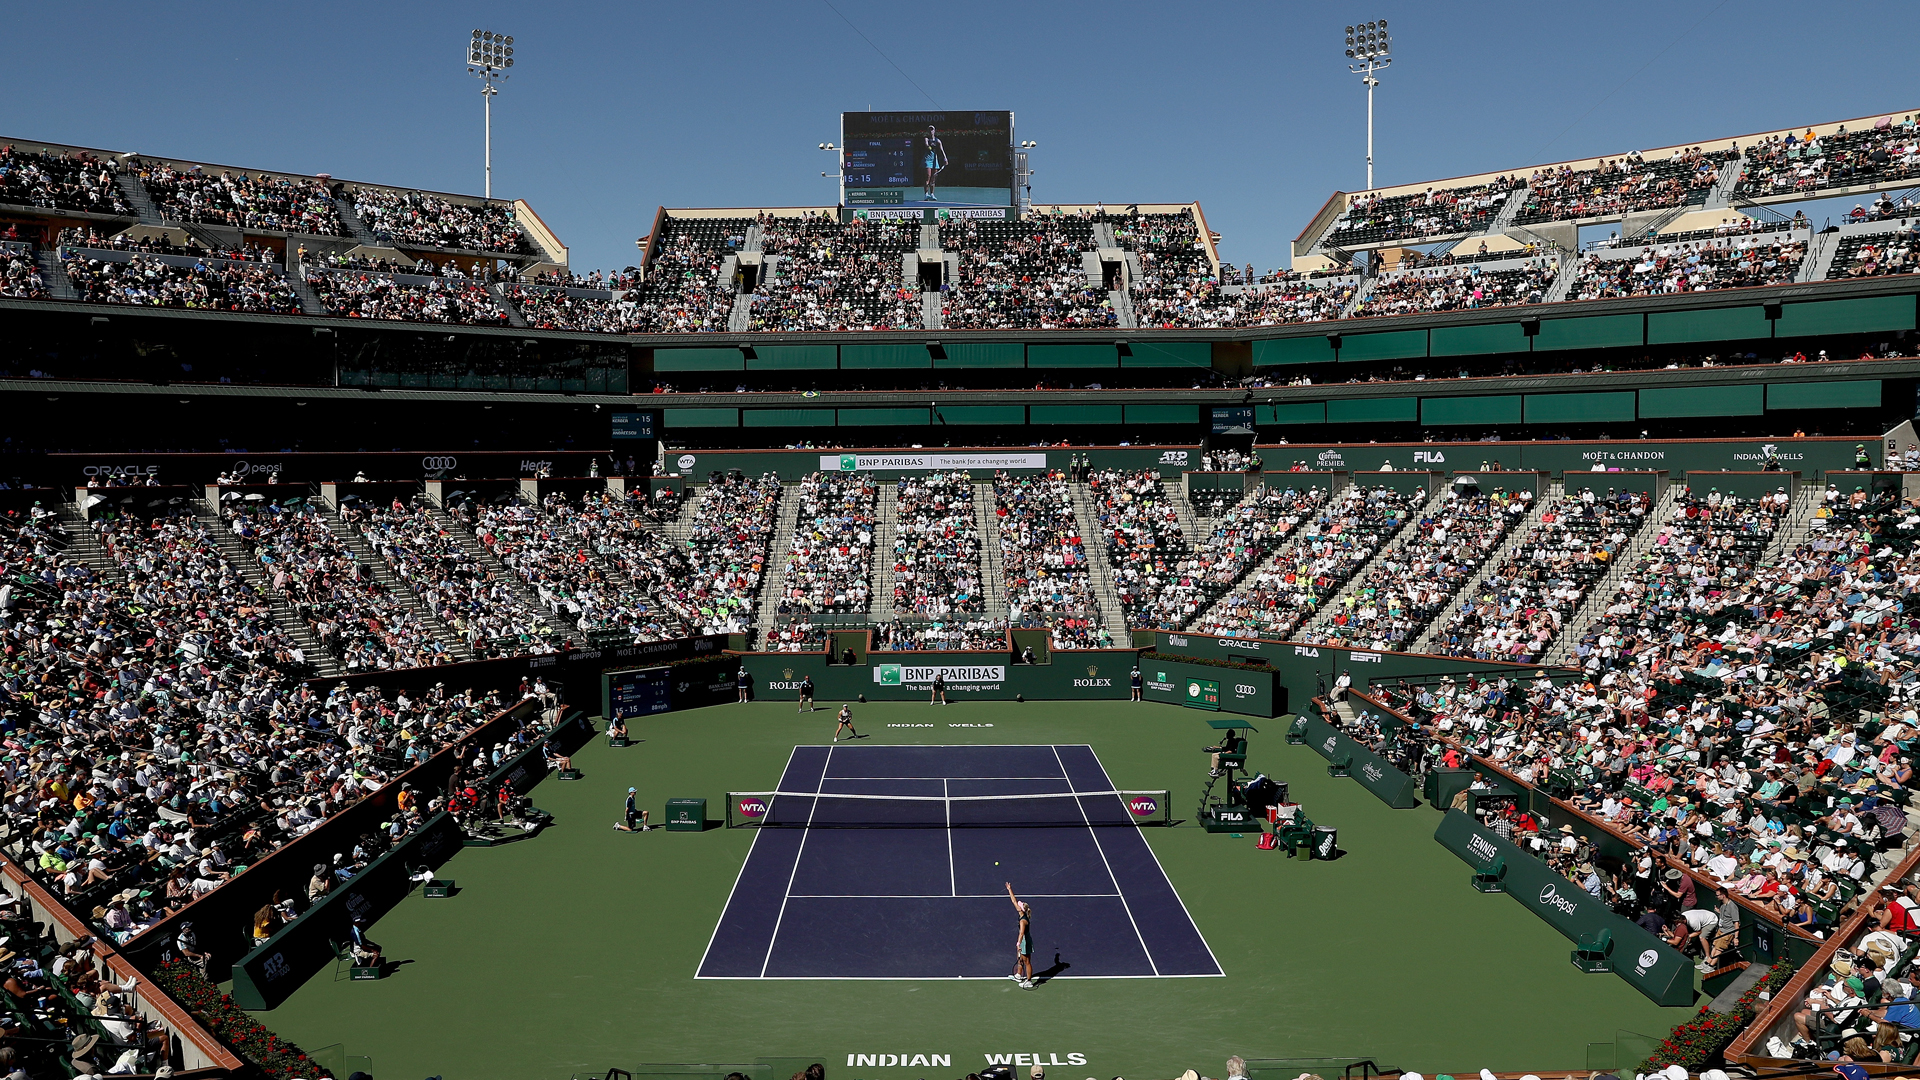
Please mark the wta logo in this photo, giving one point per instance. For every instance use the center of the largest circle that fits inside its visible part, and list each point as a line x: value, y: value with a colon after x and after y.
x: 1143, y: 805
x: 752, y: 806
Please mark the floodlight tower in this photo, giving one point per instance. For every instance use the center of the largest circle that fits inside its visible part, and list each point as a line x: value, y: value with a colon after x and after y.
x: 489, y: 55
x: 1023, y: 175
x: 1367, y: 43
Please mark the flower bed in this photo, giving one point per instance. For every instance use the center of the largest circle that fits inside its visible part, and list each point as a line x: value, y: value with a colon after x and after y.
x: 1698, y: 1042
x: 216, y: 1012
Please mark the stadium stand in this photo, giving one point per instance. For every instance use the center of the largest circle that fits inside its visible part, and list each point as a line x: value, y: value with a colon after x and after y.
x: 1691, y: 267
x: 61, y: 180
x: 936, y: 549
x: 417, y: 218
x: 1870, y: 254
x: 829, y: 566
x: 1422, y: 215
x: 1456, y: 288
x: 1622, y: 186
x: 684, y: 290
x: 406, y: 298
x: 178, y: 281
x: 1027, y: 274
x: 238, y: 201
x: 826, y: 275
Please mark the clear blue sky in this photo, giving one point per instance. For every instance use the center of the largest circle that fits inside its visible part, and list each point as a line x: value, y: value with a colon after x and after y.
x: 616, y: 109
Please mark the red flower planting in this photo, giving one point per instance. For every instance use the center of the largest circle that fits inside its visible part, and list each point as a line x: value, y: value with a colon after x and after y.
x: 246, y: 1036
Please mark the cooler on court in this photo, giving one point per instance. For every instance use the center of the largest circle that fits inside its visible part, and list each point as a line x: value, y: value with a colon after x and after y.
x: 686, y: 815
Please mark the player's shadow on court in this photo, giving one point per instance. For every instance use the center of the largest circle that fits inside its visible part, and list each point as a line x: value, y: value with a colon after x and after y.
x: 1059, y: 966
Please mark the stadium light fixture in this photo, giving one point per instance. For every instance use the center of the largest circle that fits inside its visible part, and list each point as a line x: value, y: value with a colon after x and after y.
x: 1367, y: 50
x: 489, y: 55
x: 1023, y: 174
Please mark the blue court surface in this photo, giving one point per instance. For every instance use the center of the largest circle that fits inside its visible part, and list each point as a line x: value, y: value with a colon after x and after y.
x: 922, y: 895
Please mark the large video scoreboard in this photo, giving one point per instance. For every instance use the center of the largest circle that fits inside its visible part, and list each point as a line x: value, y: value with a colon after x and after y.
x: 926, y: 159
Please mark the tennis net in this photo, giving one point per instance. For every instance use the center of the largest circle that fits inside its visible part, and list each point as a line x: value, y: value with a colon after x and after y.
x: 825, y: 810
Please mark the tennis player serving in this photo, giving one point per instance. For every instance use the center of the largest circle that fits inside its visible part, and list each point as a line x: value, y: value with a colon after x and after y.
x: 1023, y: 945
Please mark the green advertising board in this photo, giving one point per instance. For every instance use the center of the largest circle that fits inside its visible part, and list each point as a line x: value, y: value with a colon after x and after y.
x: 1248, y: 691
x: 892, y: 463
x: 1089, y: 675
x: 1375, y: 773
x: 1805, y: 456
x: 1647, y: 963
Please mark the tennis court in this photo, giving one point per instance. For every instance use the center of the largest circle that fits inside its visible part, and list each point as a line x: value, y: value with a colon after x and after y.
x: 891, y: 862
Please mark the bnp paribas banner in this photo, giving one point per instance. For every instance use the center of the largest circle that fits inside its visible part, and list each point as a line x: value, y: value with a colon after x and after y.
x: 929, y: 462
x: 1645, y: 961
x: 1804, y: 456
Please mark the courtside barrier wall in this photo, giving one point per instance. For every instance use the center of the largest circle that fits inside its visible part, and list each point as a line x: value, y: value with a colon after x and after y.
x: 908, y: 676
x: 504, y: 674
x: 892, y: 463
x: 1305, y: 671
x: 1249, y: 691
x: 1375, y: 773
x: 271, y: 973
x: 1807, y: 456
x: 1647, y: 963
x: 223, y: 918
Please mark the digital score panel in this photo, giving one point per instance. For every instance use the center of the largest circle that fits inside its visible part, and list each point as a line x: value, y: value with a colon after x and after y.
x: 927, y: 159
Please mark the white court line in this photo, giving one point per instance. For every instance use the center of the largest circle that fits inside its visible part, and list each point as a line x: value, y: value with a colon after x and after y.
x: 744, y: 863
x: 945, y: 896
x: 1103, y: 862
x: 1217, y: 966
x: 928, y: 978
x: 953, y: 879
x: 799, y: 853
x: 931, y: 778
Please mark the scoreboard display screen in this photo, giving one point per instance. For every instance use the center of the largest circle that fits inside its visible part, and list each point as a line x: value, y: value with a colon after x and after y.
x: 638, y: 693
x: 926, y: 159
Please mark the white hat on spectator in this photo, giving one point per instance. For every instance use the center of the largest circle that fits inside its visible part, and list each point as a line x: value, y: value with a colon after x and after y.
x: 1674, y: 1072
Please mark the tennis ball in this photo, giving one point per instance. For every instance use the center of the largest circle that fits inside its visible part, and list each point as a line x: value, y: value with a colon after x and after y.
x: 996, y: 864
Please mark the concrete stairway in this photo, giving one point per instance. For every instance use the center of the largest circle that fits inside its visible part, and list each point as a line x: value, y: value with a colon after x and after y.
x: 395, y: 586
x: 499, y: 293
x: 1090, y: 266
x: 740, y: 319
x: 1560, y: 651
x: 1562, y: 286
x: 993, y: 580
x: 930, y: 314
x: 1721, y: 195
x: 929, y: 236
x: 284, y: 614
x: 58, y: 285
x: 1103, y: 236
x: 1123, y: 308
x: 499, y: 571
x: 1515, y: 537
x: 755, y: 236
x: 84, y: 545
x: 1503, y: 220
x: 1359, y: 296
x: 309, y: 300
x: 1792, y: 532
x: 1821, y: 248
x: 886, y: 528
x: 774, y: 579
x: 351, y: 219
x: 1099, y: 572
x: 138, y: 198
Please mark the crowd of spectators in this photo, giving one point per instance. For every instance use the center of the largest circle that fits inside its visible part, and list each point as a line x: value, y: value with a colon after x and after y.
x: 1691, y: 267
x: 239, y: 201
x: 1326, y: 550
x: 1455, y: 288
x: 1886, y: 153
x: 354, y: 295
x: 1171, y: 595
x: 729, y: 540
x: 1141, y: 530
x: 613, y: 280
x: 824, y: 275
x: 1434, y: 212
x: 89, y: 237
x: 487, y: 613
x: 936, y: 546
x: 1522, y: 605
x: 21, y: 279
x: 1022, y: 275
x: 1751, y: 719
x: 415, y: 217
x: 951, y: 635
x: 62, y: 181
x: 1412, y: 582
x: 1043, y: 558
x: 1297, y: 300
x: 354, y: 615
x: 556, y: 309
x: 162, y: 739
x: 829, y: 565
x: 684, y: 292
x: 1176, y: 286
x: 151, y: 281
x: 1874, y: 254
x: 1624, y: 185
x: 552, y: 549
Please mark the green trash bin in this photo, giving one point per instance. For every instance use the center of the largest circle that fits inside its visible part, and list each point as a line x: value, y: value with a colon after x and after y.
x: 686, y: 815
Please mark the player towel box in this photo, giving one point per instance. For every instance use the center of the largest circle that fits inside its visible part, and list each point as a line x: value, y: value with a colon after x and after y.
x: 686, y: 815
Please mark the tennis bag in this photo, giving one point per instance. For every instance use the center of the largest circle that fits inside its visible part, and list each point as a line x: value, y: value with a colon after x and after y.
x: 1269, y: 841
